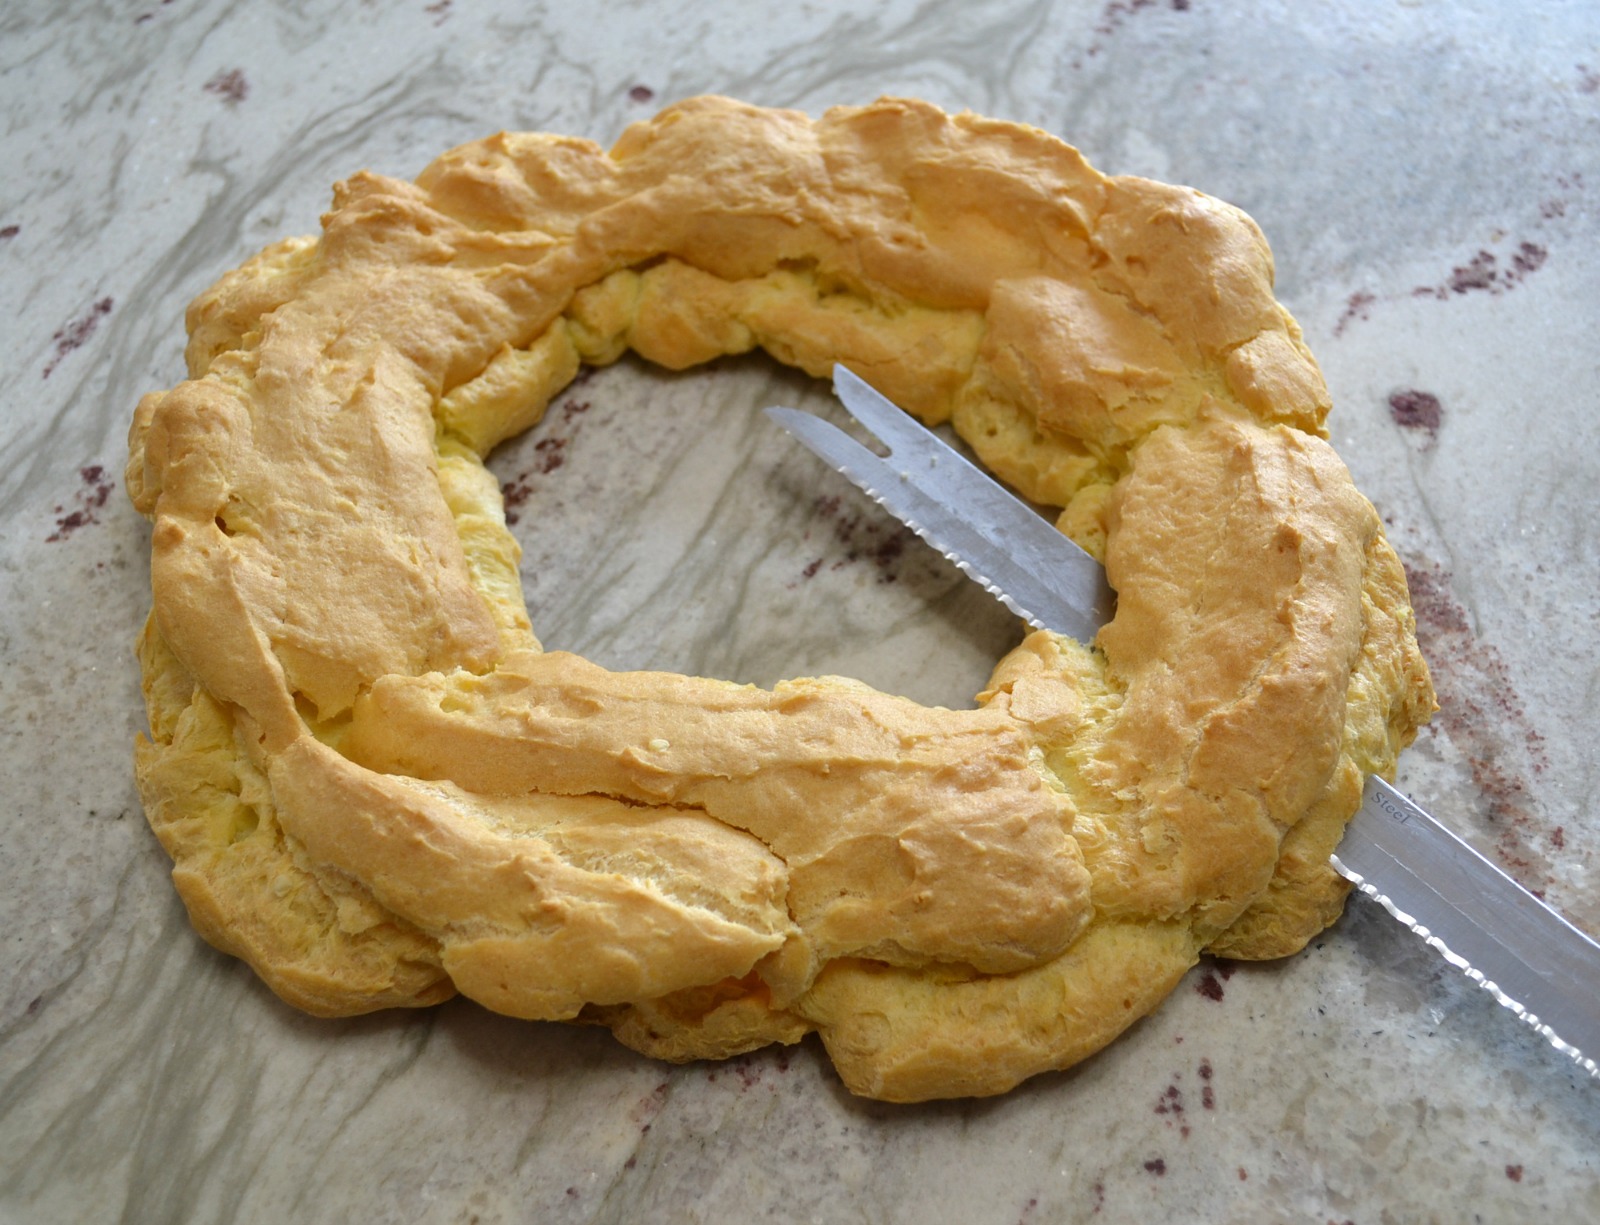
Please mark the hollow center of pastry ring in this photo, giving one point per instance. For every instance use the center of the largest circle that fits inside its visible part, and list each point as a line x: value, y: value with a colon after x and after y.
x: 666, y: 524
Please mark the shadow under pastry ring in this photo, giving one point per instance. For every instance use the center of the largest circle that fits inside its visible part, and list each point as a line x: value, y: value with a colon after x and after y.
x: 379, y: 790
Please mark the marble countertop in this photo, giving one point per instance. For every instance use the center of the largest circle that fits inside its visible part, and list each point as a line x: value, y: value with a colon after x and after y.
x: 1429, y: 177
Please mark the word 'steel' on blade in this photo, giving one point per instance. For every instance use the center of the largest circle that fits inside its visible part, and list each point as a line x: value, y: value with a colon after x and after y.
x: 1506, y: 940
x: 994, y: 537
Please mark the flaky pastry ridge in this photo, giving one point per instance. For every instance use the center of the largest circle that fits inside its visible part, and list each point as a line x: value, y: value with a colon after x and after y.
x: 378, y: 789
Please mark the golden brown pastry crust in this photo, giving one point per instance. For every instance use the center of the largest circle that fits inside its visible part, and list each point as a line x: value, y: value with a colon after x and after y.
x: 378, y: 789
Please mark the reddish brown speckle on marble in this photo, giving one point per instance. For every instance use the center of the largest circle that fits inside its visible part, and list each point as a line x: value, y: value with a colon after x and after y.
x: 75, y: 333
x: 439, y: 11
x: 750, y: 1069
x: 1244, y: 1175
x: 515, y: 493
x: 91, y: 496
x: 1514, y: 1173
x: 1156, y: 1166
x: 1529, y: 257
x: 1170, y: 1104
x: 641, y: 93
x: 1210, y: 986
x: 1555, y: 207
x: 650, y: 1105
x: 864, y: 537
x: 9, y: 232
x: 1485, y: 272
x: 1588, y: 79
x: 1117, y: 12
x: 549, y: 454
x: 1481, y: 712
x: 1357, y: 307
x: 230, y: 86
x: 1477, y: 273
x: 1419, y: 411
x: 888, y: 552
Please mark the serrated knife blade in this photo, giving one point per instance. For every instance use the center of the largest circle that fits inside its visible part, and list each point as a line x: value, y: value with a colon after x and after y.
x: 1017, y: 558
x: 1477, y: 918
x: 1505, y: 939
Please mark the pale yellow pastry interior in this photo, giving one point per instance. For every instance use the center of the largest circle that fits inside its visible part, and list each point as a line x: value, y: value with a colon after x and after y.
x: 378, y: 789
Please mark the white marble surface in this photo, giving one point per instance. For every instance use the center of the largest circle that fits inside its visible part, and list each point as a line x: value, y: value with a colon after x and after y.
x: 1429, y: 176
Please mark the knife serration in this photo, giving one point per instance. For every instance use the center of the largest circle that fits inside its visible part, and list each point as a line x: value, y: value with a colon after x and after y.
x: 1026, y: 563
x: 1481, y: 921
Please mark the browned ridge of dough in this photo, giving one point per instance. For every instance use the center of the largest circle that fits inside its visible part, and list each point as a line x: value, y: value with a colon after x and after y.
x: 378, y: 789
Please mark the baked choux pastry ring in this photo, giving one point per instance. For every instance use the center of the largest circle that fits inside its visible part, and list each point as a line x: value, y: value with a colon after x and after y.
x: 379, y: 790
